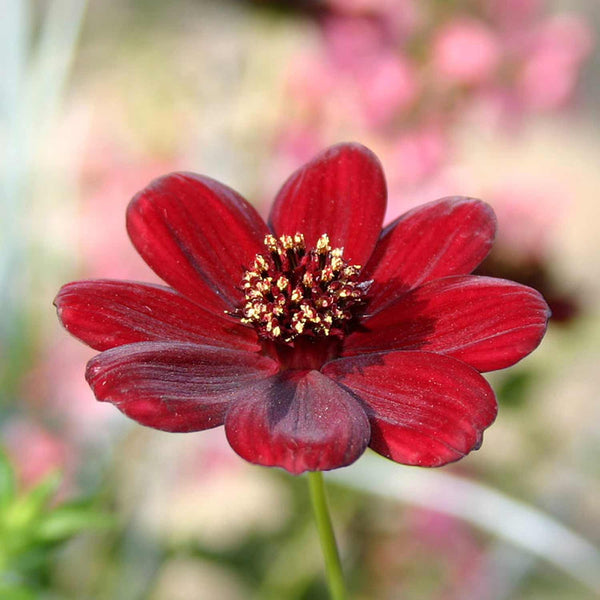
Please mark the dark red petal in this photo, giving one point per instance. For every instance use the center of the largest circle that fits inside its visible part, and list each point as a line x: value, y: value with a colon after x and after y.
x: 488, y: 323
x: 342, y: 193
x: 448, y: 237
x: 174, y: 386
x: 196, y: 234
x: 107, y: 313
x: 298, y: 421
x: 425, y: 409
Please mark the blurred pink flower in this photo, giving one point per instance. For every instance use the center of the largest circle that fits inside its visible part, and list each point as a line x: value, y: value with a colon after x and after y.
x: 527, y: 214
x: 567, y: 37
x: 389, y: 86
x: 399, y: 16
x: 513, y: 13
x: 66, y: 397
x: 293, y: 147
x: 495, y: 62
x: 353, y: 42
x: 452, y: 542
x: 550, y: 71
x: 361, y: 75
x: 412, y: 537
x: 465, y: 51
x: 416, y: 154
x: 311, y: 80
x: 298, y: 145
x: 34, y: 451
x: 111, y: 176
x: 543, y: 86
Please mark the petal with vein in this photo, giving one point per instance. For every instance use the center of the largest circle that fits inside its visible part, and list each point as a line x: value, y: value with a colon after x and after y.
x: 486, y: 322
x: 425, y: 409
x: 105, y: 313
x: 450, y: 236
x: 341, y: 192
x: 198, y: 235
x: 176, y: 387
x: 298, y: 421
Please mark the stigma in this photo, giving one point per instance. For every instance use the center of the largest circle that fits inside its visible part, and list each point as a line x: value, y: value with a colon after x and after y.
x: 292, y: 290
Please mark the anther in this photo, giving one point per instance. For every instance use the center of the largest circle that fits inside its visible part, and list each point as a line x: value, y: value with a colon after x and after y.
x: 292, y: 291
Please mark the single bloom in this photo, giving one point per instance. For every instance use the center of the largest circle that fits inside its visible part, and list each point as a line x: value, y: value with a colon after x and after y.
x: 314, y: 335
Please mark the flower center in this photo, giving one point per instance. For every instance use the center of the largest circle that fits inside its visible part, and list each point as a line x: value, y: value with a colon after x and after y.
x: 291, y: 291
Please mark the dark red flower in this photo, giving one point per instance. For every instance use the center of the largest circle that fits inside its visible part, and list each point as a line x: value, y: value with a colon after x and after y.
x: 314, y: 336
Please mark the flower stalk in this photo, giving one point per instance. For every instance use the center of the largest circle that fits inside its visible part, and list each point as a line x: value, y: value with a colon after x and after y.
x: 333, y: 566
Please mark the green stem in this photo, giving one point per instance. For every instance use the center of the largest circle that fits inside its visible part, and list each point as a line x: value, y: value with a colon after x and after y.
x: 333, y: 567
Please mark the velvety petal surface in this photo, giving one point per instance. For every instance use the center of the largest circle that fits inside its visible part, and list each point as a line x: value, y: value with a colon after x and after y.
x: 198, y: 235
x: 107, y: 313
x: 298, y: 421
x: 486, y: 322
x: 425, y: 409
x: 450, y: 236
x: 341, y: 192
x: 175, y: 386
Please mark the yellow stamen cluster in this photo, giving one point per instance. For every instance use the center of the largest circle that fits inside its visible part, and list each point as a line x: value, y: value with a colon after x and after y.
x: 291, y: 291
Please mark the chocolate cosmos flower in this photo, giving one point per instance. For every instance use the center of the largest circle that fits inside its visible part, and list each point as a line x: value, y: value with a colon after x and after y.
x: 315, y: 335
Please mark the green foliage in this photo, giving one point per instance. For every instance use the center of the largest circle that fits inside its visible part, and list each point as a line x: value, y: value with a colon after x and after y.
x: 32, y: 526
x: 514, y: 390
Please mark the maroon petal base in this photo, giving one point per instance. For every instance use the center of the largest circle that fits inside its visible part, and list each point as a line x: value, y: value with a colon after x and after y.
x: 297, y: 421
x: 175, y: 387
x: 488, y: 323
x: 106, y: 313
x: 425, y: 409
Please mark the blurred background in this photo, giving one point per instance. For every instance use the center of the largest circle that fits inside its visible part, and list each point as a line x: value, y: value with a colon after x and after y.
x: 496, y: 99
